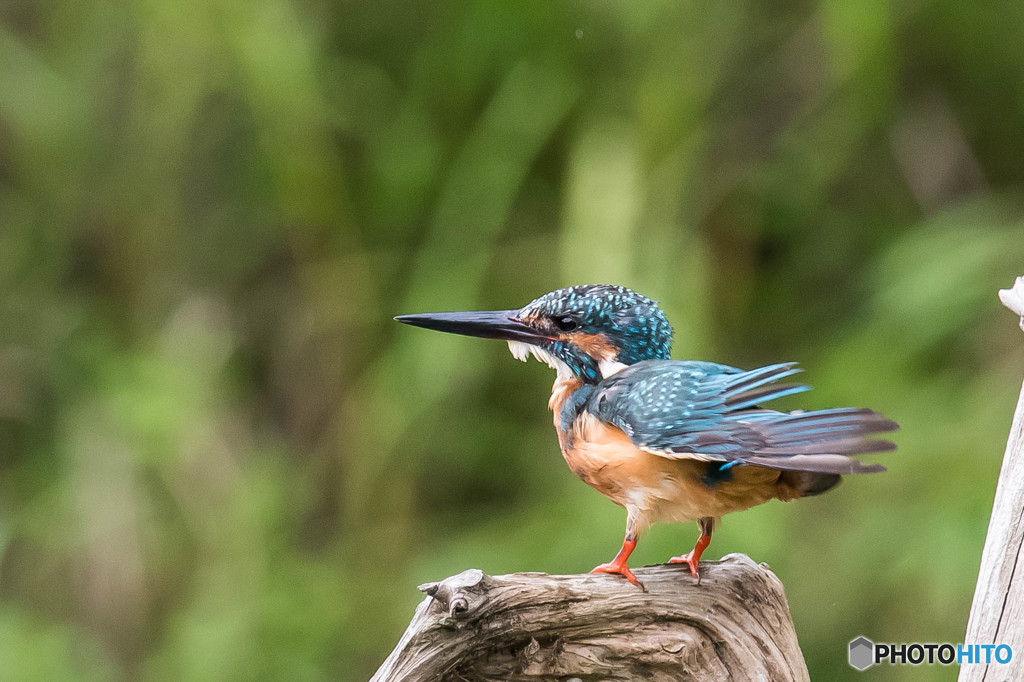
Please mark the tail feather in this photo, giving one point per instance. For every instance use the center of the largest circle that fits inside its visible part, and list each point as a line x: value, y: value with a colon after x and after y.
x: 811, y: 483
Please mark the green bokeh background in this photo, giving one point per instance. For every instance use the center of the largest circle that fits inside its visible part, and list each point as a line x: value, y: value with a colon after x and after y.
x: 219, y: 457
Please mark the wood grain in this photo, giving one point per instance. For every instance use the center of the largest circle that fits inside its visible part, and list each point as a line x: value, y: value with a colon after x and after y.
x: 734, y: 625
x: 997, y: 613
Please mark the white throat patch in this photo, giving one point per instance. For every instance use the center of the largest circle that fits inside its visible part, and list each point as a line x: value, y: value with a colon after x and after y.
x: 522, y: 351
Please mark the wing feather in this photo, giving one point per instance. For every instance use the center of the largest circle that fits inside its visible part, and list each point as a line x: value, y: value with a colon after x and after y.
x: 708, y: 412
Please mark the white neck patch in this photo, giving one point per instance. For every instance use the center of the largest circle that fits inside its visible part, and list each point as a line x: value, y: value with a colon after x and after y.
x: 609, y: 367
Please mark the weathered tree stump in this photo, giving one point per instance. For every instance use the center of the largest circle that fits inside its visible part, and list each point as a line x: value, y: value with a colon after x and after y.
x: 998, y: 608
x: 734, y: 625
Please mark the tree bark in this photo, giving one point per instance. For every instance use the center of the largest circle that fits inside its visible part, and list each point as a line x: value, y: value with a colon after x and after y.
x: 998, y: 608
x: 734, y: 625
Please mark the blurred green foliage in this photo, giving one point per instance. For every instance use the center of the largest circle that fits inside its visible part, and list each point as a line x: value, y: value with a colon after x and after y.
x: 221, y: 459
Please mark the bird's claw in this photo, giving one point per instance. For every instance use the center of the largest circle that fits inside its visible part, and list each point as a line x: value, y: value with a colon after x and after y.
x: 620, y: 569
x: 690, y: 561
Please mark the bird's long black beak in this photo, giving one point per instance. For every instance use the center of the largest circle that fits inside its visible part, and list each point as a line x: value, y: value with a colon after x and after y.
x: 486, y: 324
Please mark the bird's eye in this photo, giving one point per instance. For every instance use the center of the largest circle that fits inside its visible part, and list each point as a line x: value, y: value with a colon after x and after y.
x: 566, y: 324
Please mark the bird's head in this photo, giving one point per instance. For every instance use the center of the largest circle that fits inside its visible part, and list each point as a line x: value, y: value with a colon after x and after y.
x: 587, y: 332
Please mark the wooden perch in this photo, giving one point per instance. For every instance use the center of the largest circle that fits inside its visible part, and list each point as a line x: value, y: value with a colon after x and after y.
x: 735, y: 624
x: 998, y: 608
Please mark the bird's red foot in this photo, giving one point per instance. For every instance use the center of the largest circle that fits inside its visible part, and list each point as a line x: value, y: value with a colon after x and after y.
x: 690, y: 561
x: 618, y: 564
x: 620, y: 568
x: 692, y: 558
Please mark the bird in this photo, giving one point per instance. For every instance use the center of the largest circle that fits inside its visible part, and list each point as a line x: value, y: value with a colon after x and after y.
x: 669, y: 440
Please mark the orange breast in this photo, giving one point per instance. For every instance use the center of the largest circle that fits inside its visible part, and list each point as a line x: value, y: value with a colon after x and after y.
x: 652, y: 487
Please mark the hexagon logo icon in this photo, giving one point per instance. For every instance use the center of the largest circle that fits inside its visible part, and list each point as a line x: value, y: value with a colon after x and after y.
x: 862, y: 653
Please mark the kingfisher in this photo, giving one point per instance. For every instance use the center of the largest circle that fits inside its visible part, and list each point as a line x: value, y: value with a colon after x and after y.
x: 669, y: 440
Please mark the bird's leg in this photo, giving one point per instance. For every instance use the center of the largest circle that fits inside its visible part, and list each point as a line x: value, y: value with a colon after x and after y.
x: 692, y: 558
x: 618, y: 564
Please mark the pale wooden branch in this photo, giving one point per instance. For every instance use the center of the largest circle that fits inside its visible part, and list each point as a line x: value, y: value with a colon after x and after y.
x: 997, y: 613
x: 734, y: 625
